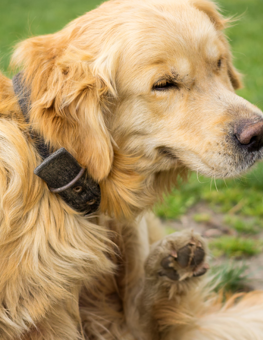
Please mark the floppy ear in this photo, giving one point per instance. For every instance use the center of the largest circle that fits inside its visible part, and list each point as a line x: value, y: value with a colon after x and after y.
x: 220, y: 23
x: 69, y: 96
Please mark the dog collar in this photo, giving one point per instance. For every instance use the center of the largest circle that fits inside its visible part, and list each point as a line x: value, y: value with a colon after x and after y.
x: 60, y: 170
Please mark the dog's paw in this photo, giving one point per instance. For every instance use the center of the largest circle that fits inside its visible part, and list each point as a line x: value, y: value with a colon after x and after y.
x: 178, y: 257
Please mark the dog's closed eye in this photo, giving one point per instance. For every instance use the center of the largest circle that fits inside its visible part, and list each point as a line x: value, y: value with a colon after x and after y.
x: 164, y: 85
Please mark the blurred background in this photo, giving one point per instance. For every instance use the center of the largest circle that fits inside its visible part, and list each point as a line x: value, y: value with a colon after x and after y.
x: 228, y: 213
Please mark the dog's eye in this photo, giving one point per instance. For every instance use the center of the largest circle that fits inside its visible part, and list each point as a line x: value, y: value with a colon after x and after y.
x: 219, y: 63
x: 164, y: 85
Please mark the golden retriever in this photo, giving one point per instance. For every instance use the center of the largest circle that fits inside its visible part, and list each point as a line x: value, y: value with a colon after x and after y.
x: 138, y: 92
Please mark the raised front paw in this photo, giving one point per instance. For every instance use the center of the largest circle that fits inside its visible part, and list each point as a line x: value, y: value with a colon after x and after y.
x: 178, y: 257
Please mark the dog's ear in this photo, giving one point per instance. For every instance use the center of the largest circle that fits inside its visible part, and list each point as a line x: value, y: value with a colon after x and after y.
x: 220, y: 23
x: 211, y: 10
x: 70, y: 92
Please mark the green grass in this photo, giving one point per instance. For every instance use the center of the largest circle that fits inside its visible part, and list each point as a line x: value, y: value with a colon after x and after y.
x: 243, y: 196
x: 179, y: 202
x: 21, y: 19
x: 235, y: 246
x: 248, y: 227
x: 246, y: 41
x: 230, y: 277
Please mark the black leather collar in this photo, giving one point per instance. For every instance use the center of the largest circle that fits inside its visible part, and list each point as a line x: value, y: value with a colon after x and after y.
x: 60, y: 170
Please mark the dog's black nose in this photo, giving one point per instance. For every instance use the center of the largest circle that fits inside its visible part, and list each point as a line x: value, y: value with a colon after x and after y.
x: 250, y: 135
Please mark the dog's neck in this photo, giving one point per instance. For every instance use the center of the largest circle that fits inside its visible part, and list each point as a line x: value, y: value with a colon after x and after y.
x: 127, y: 192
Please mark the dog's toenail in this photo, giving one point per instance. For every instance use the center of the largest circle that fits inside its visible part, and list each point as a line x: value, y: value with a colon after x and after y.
x: 199, y: 245
x: 174, y: 254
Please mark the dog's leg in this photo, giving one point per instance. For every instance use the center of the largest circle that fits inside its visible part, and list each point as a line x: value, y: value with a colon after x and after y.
x: 135, y: 251
x: 102, y: 313
x: 172, y: 273
x: 176, y: 304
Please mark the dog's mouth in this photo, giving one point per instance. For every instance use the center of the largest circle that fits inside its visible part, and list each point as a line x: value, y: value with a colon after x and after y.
x: 237, y: 147
x: 167, y: 152
x: 233, y: 161
x: 227, y: 166
x: 227, y: 159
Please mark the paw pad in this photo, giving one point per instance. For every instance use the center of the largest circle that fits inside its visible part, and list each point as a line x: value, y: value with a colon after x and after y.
x: 184, y: 263
x: 168, y: 268
x: 190, y: 255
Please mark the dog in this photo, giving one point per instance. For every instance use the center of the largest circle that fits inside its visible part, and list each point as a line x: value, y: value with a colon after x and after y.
x: 139, y: 93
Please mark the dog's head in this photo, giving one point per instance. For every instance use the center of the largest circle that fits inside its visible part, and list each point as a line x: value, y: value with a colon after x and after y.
x: 136, y: 91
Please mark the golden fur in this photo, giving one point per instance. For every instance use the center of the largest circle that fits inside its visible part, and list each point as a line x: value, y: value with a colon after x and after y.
x: 96, y: 89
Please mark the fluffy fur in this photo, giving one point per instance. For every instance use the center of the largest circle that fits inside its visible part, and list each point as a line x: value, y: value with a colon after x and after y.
x: 138, y: 92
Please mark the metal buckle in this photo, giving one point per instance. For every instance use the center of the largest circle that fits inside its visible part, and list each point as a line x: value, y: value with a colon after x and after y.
x: 69, y: 185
